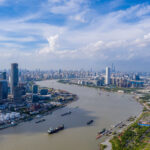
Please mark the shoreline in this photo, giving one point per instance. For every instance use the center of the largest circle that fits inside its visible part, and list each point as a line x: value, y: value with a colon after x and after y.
x: 16, y: 122
x: 106, y: 89
x: 98, y: 126
x: 106, y: 140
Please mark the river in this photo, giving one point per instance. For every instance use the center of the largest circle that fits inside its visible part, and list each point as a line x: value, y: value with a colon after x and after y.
x: 104, y: 108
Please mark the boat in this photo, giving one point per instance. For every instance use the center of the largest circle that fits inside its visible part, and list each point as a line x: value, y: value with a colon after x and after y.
x: 55, y: 130
x: 99, y: 136
x: 39, y: 121
x: 67, y: 113
x: 90, y: 122
x: 38, y: 116
x: 101, y: 132
x: 107, y: 132
x: 29, y: 119
x: 118, y: 124
x: 13, y: 124
x: 4, y: 126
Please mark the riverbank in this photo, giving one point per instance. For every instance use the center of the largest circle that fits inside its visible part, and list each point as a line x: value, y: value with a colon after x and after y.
x: 107, y: 144
x: 139, y: 136
x: 104, y: 88
x: 124, y: 125
x: 92, y: 105
x: 29, y: 110
x: 134, y: 137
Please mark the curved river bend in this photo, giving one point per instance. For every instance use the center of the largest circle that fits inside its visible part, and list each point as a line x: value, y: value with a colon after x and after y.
x: 104, y: 108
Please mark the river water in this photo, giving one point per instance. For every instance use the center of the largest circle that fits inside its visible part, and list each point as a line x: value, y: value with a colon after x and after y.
x: 104, y: 108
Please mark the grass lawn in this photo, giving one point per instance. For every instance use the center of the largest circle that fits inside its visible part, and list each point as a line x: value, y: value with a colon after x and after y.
x: 134, y: 138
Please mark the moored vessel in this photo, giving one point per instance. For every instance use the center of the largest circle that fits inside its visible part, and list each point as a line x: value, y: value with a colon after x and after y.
x: 39, y: 121
x: 67, y: 113
x: 55, y: 130
x: 90, y: 122
x: 101, y: 132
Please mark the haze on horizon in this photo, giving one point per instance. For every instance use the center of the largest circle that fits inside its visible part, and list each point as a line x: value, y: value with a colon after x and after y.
x: 75, y: 34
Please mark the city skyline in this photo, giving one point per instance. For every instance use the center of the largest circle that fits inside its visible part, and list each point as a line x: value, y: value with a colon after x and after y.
x: 102, y: 69
x: 74, y: 74
x: 75, y: 34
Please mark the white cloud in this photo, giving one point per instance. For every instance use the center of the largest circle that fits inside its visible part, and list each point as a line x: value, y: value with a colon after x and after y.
x: 78, y: 17
x: 104, y: 37
x: 67, y: 6
x: 17, y: 39
x: 55, y: 1
x: 52, y: 41
x: 147, y: 36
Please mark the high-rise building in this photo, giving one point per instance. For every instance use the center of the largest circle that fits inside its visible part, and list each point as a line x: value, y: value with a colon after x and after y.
x: 2, y: 75
x: 14, y: 77
x: 17, y: 94
x: 112, y: 68
x: 107, y: 78
x: 136, y: 77
x: 3, y: 89
x: 35, y: 98
x: 44, y: 91
x: 35, y: 89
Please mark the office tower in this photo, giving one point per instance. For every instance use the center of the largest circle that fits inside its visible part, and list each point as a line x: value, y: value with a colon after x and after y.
x: 136, y: 77
x: 113, y: 68
x: 35, y: 98
x: 44, y: 91
x: 35, y: 89
x: 3, y: 89
x: 107, y: 78
x: 60, y: 71
x: 19, y: 92
x: 14, y: 77
x: 2, y: 75
x: 22, y: 87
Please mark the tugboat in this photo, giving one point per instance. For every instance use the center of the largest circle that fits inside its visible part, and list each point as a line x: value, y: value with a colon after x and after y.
x: 13, y: 124
x: 101, y: 132
x: 90, y: 122
x: 5, y: 126
x: 39, y: 121
x: 55, y: 130
x: 99, y: 136
x: 29, y: 119
x: 67, y: 113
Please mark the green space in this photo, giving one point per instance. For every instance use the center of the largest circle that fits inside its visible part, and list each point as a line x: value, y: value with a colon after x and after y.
x: 102, y: 146
x: 135, y: 137
x: 145, y: 98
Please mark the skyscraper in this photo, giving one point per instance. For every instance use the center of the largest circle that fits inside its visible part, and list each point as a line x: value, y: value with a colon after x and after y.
x: 35, y: 89
x: 107, y: 78
x: 2, y: 75
x: 18, y: 93
x: 112, y: 68
x: 14, y: 77
x: 3, y: 89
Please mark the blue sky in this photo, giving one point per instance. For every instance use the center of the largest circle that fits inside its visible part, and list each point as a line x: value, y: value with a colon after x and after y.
x: 74, y: 34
